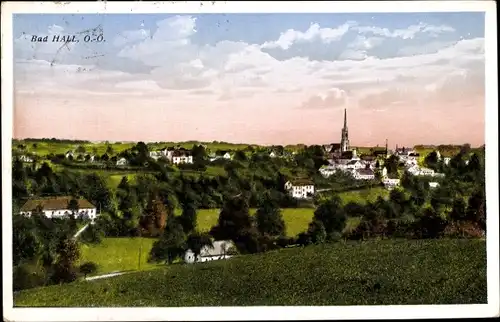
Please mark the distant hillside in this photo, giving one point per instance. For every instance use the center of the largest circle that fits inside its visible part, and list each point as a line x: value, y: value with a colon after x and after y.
x: 369, y: 273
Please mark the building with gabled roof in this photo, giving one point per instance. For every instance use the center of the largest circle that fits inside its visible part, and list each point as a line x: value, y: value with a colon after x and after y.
x: 300, y: 188
x: 56, y: 207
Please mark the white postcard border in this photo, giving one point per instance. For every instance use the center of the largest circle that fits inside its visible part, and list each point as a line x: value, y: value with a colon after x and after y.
x: 256, y: 313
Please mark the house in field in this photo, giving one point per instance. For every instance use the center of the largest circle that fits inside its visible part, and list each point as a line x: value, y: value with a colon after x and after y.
x: 181, y: 156
x: 69, y: 154
x: 121, y: 162
x: 327, y: 170
x: 433, y: 185
x: 155, y: 155
x: 57, y: 207
x: 391, y: 182
x: 300, y: 188
x: 219, y: 250
x: 364, y: 174
x: 26, y: 158
x: 355, y: 165
x: 225, y: 155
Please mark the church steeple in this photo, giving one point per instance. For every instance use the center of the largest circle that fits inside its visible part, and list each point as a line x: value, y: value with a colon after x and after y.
x: 344, y: 142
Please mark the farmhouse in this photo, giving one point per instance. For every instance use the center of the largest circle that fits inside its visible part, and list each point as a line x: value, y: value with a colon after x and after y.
x: 364, y: 174
x: 327, y: 170
x: 220, y: 155
x: 220, y: 250
x: 69, y: 154
x: 354, y: 165
x: 121, y: 162
x: 57, y: 207
x: 433, y: 185
x: 25, y: 158
x: 300, y: 188
x: 181, y: 156
x: 155, y: 155
x: 390, y: 183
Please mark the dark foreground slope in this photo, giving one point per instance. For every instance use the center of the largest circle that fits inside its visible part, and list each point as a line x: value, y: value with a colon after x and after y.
x: 383, y: 272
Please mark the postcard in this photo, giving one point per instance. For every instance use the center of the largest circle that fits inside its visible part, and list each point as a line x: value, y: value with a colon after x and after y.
x: 244, y: 160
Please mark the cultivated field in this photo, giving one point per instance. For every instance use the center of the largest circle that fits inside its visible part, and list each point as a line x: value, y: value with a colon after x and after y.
x: 358, y: 273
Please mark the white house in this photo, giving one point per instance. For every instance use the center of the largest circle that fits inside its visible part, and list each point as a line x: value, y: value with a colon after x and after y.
x: 272, y: 154
x: 446, y: 160
x: 69, y: 154
x: 433, y: 185
x: 355, y: 165
x: 220, y: 155
x: 155, y: 155
x: 122, y: 162
x: 25, y: 158
x: 58, y: 207
x: 219, y: 250
x: 300, y: 188
x: 327, y: 170
x: 390, y: 183
x: 180, y: 156
x: 364, y: 174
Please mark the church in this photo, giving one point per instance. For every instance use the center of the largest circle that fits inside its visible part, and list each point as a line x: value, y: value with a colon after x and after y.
x: 342, y: 149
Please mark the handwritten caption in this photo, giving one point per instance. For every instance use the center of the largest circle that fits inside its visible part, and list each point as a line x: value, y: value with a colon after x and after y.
x: 68, y: 38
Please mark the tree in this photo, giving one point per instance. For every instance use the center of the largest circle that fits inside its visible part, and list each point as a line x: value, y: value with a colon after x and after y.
x: 476, y: 208
x: 392, y: 164
x: 171, y: 245
x: 154, y: 220
x: 317, y: 232
x: 233, y: 219
x: 109, y: 150
x: 457, y: 212
x: 80, y: 149
x: 269, y: 219
x: 197, y: 241
x: 73, y: 207
x: 332, y: 215
x: 429, y: 224
x: 431, y: 160
x: 67, y: 254
x: 88, y: 268
x: 240, y: 155
x: 188, y: 218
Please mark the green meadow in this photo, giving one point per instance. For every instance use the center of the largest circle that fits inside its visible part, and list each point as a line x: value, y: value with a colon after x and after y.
x: 388, y: 272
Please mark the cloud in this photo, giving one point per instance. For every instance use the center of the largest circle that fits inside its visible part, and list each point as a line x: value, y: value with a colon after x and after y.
x: 236, y: 70
x: 407, y: 33
x: 334, y: 98
x: 315, y: 32
x: 129, y: 36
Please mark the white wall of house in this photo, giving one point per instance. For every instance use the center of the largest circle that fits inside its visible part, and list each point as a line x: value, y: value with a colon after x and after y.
x: 327, y: 171
x: 359, y: 176
x: 302, y: 192
x: 58, y: 213
x: 182, y: 159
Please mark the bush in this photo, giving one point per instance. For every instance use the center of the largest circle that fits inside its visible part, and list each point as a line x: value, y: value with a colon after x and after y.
x: 92, y: 235
x: 88, y: 268
x: 27, y: 276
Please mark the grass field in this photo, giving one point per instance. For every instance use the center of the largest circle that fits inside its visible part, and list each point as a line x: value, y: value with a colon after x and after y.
x: 354, y: 273
x: 364, y: 195
x: 118, y: 254
x: 296, y: 219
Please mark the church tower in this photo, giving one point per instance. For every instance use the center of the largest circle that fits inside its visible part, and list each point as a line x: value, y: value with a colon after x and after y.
x: 344, y: 141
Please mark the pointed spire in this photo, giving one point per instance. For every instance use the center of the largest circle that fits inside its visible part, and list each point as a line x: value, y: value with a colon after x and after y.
x: 345, y: 118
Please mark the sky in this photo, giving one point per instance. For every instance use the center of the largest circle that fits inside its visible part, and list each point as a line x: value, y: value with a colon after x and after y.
x: 252, y: 78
